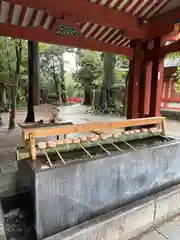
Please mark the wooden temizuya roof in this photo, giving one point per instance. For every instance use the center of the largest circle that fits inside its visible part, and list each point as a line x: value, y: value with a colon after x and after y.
x: 102, y: 25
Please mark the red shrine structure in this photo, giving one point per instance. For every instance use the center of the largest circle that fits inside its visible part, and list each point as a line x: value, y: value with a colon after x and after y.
x: 76, y: 194
x: 170, y: 92
x: 138, y: 29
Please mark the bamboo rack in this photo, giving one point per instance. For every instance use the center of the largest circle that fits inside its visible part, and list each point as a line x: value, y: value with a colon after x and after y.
x: 90, y: 127
x: 23, y: 153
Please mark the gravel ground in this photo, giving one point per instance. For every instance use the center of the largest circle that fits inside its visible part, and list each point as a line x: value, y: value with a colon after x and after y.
x: 18, y: 225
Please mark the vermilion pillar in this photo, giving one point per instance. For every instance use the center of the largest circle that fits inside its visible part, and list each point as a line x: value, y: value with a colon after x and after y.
x: 157, y: 80
x: 134, y: 80
x: 167, y: 86
x: 145, y: 83
x: 145, y: 89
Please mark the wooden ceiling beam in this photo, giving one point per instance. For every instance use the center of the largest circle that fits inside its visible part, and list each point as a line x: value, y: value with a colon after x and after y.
x: 163, y: 51
x: 49, y: 36
x: 171, y: 48
x: 172, y: 37
x: 83, y: 10
x: 162, y: 24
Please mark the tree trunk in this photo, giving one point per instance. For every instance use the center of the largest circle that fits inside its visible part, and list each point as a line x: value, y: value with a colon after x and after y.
x: 1, y: 123
x: 4, y: 102
x: 34, y: 79
x: 109, y: 68
x: 57, y: 89
x: 18, y: 98
x: 44, y: 96
x: 87, y: 96
x: 16, y: 82
x: 13, y: 108
x: 62, y: 72
x: 56, y: 82
x: 126, y: 95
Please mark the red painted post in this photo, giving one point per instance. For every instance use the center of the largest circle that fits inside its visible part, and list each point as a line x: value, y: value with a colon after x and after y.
x: 134, y: 80
x: 173, y: 92
x: 157, y: 80
x: 148, y: 88
x: 167, y: 86
x: 145, y: 83
x: 145, y: 89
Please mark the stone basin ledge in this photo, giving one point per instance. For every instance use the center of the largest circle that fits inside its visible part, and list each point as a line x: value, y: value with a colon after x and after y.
x: 128, y: 221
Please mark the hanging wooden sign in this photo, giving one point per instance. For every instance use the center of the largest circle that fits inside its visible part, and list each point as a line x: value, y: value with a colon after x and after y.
x: 66, y: 30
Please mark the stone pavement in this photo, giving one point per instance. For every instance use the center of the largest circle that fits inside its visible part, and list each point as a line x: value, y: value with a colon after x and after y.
x: 74, y: 113
x: 169, y: 230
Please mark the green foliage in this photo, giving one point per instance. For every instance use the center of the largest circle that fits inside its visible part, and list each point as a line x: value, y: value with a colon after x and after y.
x: 52, y: 74
x: 72, y: 89
x: 173, y: 55
x: 122, y: 62
x: 176, y: 77
x: 54, y: 80
x: 120, y: 77
x: 52, y: 68
x: 89, y: 68
x: 13, y: 63
x: 8, y: 58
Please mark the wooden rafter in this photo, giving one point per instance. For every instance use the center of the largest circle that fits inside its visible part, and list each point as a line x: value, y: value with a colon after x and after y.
x: 49, y: 36
x: 98, y: 15
x: 33, y: 17
x: 85, y: 11
x: 163, y: 24
x: 11, y: 11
